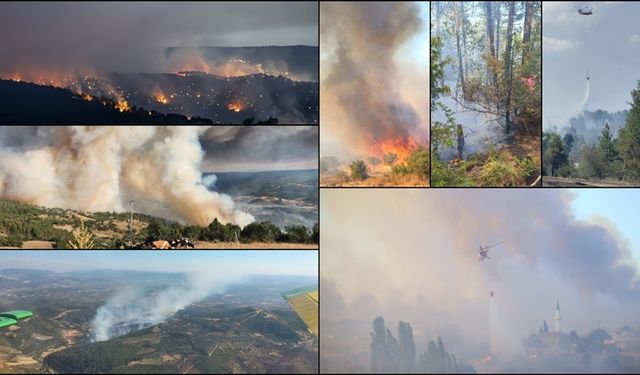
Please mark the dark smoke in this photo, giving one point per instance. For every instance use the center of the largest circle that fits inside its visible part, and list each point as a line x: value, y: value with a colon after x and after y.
x: 132, y: 36
x: 361, y: 89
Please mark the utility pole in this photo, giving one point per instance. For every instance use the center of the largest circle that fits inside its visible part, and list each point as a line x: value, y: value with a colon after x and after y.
x: 131, y: 203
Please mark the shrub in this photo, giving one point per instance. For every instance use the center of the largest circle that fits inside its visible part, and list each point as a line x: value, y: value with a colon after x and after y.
x: 359, y: 170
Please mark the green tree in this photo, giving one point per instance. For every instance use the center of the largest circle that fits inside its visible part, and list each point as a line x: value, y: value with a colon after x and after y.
x: 260, y: 232
x: 297, y: 234
x: 554, y: 155
x: 359, y: 170
x: 606, y: 145
x: 592, y: 163
x: 568, y: 141
x: 442, y: 132
x: 315, y: 233
x: 629, y: 139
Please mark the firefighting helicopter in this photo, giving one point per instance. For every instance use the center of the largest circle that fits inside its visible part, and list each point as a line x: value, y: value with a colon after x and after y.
x: 585, y: 11
x: 483, y: 252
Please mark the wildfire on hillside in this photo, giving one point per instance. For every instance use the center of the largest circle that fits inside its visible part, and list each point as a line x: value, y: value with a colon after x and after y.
x: 401, y: 147
x: 235, y: 106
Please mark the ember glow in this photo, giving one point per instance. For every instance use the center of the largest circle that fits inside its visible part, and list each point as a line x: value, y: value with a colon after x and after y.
x: 235, y: 106
x: 160, y: 98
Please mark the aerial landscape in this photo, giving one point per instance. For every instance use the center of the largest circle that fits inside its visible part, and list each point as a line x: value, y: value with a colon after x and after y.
x: 191, y: 312
x: 480, y: 280
x: 486, y: 93
x: 115, y: 63
x: 133, y: 187
x: 375, y: 105
x: 591, y: 98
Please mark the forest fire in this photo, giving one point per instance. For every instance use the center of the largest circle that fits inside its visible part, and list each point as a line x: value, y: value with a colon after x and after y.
x: 160, y: 98
x: 235, y: 106
x: 122, y: 106
x: 401, y: 147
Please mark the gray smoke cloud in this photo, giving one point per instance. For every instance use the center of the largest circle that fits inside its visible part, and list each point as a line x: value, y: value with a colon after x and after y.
x: 132, y: 36
x: 100, y: 168
x: 363, y: 101
x: 135, y: 308
x: 424, y: 268
x: 275, y: 147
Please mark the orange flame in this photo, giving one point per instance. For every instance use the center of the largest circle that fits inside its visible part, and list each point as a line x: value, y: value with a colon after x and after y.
x: 401, y: 147
x: 235, y: 106
x: 122, y: 106
x: 160, y: 98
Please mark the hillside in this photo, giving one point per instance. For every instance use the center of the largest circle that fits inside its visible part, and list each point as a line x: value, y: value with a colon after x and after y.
x: 201, y: 339
x: 297, y: 61
x: 282, y: 197
x: 29, y: 226
x: 249, y: 328
x: 29, y: 104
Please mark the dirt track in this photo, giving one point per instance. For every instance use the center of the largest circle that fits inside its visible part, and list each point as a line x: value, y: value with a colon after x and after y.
x: 576, y: 182
x: 199, y: 245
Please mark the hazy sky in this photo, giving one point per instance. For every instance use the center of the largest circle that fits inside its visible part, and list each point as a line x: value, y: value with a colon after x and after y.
x: 424, y: 268
x: 613, y: 58
x: 227, y: 148
x: 259, y: 148
x: 374, y: 74
x: 129, y: 36
x: 618, y: 205
x: 248, y: 262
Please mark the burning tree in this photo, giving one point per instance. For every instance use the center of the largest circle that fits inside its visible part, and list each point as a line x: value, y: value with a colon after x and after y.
x: 390, y: 158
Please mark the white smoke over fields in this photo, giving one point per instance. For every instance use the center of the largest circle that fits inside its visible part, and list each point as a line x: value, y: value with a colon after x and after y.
x: 100, y: 168
x: 136, y: 308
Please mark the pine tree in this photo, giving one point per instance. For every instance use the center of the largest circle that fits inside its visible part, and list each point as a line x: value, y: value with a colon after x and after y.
x: 407, y: 347
x: 629, y: 139
x: 606, y: 145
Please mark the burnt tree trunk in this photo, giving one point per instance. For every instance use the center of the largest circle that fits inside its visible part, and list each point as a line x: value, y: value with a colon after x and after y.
x: 508, y: 66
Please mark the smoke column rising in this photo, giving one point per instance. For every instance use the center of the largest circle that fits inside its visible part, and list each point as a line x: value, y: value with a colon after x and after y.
x: 136, y: 308
x: 424, y: 268
x: 363, y: 102
x: 100, y: 168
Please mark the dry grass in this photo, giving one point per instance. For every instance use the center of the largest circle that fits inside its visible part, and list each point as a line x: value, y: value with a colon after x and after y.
x: 377, y: 179
x: 255, y: 245
x: 198, y: 245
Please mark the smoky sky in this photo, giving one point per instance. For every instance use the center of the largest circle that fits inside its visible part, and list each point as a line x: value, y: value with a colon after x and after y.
x: 368, y: 97
x: 260, y: 148
x: 424, y: 268
x: 610, y: 53
x: 227, y: 148
x: 132, y: 36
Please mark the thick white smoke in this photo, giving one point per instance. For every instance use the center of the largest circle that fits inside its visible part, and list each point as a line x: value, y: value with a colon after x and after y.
x: 137, y: 307
x: 100, y: 168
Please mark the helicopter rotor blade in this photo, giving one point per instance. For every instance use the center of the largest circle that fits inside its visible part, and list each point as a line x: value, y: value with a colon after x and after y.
x: 495, y: 244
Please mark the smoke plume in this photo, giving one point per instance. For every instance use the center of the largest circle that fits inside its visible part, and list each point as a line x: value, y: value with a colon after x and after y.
x: 138, y: 307
x: 364, y: 100
x: 101, y: 168
x: 424, y: 268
